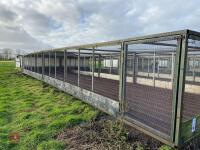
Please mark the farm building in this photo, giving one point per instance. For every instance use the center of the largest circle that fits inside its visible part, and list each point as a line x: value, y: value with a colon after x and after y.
x: 151, y: 83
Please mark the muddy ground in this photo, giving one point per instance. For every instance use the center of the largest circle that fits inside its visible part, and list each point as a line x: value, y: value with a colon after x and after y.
x: 107, y: 133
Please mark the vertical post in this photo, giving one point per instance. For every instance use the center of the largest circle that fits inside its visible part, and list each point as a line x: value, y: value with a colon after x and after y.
x: 99, y: 66
x: 64, y: 66
x: 142, y: 64
x: 55, y: 64
x: 90, y: 64
x: 110, y: 64
x: 104, y: 61
x: 180, y: 87
x: 26, y: 62
x: 137, y: 65
x: 93, y: 69
x: 75, y: 62
x: 172, y: 71
x: 34, y: 62
x: 134, y: 68
x: 193, y: 68
x: 22, y: 62
x: 29, y: 66
x: 28, y: 59
x: 158, y: 72
x: 49, y: 64
x: 84, y: 64
x: 175, y: 89
x: 148, y: 65
x: 43, y: 61
x: 95, y: 64
x: 78, y: 67
x: 37, y: 63
x: 31, y: 61
x: 119, y: 64
x: 154, y: 67
x: 26, y: 65
x: 122, y: 81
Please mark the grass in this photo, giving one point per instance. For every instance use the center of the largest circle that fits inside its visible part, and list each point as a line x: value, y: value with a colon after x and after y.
x: 35, y: 110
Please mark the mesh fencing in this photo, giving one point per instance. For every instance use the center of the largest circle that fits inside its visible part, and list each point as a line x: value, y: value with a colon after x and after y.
x: 191, y: 102
x: 85, y: 78
x: 106, y: 80
x: 149, y: 81
x: 72, y: 67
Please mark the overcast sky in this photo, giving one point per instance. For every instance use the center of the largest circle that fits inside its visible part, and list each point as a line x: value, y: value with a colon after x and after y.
x: 41, y: 24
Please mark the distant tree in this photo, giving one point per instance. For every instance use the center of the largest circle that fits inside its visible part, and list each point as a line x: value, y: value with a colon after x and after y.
x: 7, y: 54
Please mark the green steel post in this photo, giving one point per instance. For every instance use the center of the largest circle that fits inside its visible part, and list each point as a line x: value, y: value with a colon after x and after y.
x: 93, y: 69
x: 122, y: 84
x: 64, y: 66
x: 175, y: 88
x: 43, y: 61
x: 55, y: 65
x: 181, y: 86
x: 49, y: 64
x: 78, y: 67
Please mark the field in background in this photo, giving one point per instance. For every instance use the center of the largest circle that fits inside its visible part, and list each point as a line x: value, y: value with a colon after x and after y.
x: 44, y: 118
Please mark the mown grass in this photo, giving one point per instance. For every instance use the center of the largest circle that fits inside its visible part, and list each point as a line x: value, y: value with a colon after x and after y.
x: 36, y: 111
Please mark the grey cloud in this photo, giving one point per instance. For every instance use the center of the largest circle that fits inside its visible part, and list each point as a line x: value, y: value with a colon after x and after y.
x: 36, y: 22
x: 70, y: 22
x: 6, y: 15
x: 17, y: 38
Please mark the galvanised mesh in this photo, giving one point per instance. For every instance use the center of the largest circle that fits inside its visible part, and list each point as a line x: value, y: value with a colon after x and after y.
x: 149, y: 81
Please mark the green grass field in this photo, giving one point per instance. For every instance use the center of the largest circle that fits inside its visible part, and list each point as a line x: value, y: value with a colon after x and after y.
x: 36, y: 111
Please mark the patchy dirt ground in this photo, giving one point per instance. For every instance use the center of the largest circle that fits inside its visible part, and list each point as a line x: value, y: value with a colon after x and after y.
x: 106, y: 133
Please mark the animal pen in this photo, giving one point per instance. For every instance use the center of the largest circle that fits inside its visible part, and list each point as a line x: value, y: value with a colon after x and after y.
x: 151, y: 83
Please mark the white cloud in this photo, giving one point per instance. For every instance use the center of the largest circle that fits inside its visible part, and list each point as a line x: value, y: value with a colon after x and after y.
x: 42, y: 24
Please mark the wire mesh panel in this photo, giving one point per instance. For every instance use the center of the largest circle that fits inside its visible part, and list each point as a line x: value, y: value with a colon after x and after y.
x: 39, y: 63
x: 149, y: 83
x: 34, y: 63
x: 106, y: 76
x: 25, y: 62
x: 85, y: 77
x: 46, y: 64
x: 29, y: 62
x: 191, y: 101
x: 52, y: 64
x: 72, y: 67
x: 59, y: 65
